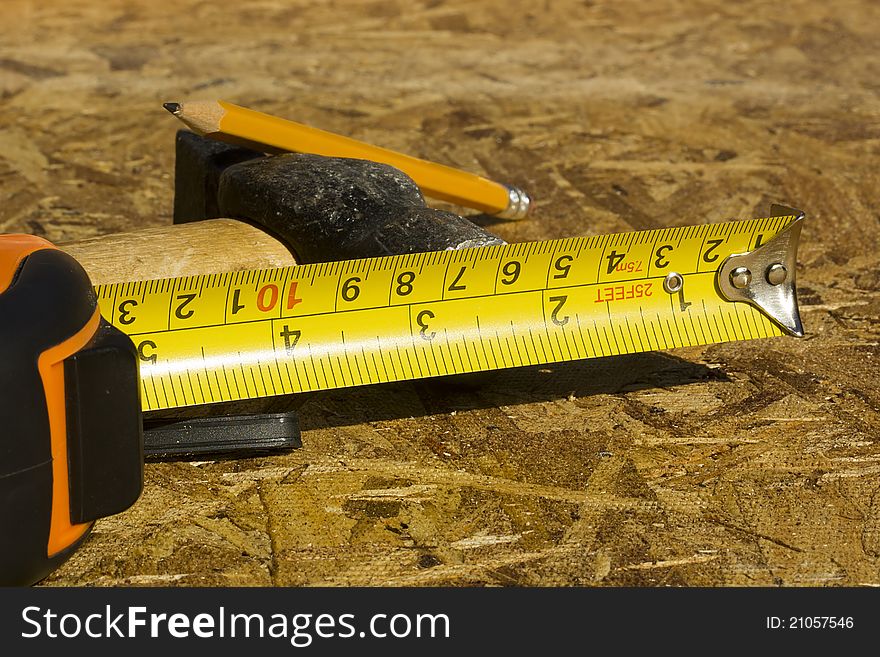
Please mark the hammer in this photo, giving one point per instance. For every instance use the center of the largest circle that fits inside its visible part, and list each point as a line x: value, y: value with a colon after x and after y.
x: 306, y: 208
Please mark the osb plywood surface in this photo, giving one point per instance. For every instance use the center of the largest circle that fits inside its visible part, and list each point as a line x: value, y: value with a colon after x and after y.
x: 739, y: 464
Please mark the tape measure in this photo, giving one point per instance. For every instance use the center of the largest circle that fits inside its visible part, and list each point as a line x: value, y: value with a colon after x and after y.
x: 240, y: 335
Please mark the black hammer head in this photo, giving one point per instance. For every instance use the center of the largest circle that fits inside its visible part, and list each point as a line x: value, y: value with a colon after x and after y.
x: 324, y: 208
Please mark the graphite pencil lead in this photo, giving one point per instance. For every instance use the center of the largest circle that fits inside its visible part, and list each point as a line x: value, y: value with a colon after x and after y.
x: 174, y: 108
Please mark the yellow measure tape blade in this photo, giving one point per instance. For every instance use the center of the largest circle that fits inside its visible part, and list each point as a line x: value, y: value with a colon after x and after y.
x: 240, y: 335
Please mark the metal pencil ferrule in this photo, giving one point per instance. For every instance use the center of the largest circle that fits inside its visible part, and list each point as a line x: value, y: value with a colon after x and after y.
x: 517, y: 206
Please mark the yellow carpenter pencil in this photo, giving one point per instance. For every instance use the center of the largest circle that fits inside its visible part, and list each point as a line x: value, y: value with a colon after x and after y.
x: 239, y: 125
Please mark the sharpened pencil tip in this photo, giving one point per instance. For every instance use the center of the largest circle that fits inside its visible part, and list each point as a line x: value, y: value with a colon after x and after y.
x: 174, y: 108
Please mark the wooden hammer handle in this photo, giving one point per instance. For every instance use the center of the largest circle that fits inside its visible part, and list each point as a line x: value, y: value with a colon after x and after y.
x: 202, y: 247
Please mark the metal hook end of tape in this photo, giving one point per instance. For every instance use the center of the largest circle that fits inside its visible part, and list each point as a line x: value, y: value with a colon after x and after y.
x: 766, y: 276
